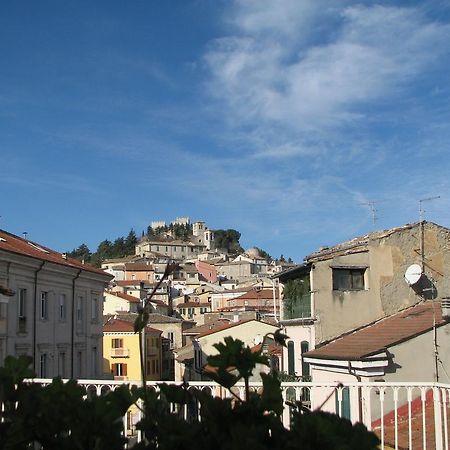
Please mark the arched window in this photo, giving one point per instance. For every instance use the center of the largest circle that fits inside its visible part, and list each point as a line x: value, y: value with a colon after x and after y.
x: 291, y: 358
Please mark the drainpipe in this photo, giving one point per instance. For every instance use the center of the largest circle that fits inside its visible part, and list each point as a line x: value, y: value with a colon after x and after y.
x: 72, y: 342
x: 35, y: 314
x: 358, y: 378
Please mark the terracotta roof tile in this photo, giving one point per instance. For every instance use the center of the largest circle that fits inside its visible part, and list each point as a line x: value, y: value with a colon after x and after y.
x: 114, y: 325
x: 129, y: 298
x: 375, y: 338
x: 15, y: 244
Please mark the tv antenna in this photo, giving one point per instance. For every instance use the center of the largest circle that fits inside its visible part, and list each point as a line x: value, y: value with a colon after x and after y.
x: 371, y: 205
x: 421, y: 201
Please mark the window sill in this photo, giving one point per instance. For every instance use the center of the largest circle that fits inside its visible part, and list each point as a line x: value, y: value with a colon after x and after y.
x: 350, y: 290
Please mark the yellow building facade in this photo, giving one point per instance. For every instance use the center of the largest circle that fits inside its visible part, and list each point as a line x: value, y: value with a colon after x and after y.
x: 121, y: 358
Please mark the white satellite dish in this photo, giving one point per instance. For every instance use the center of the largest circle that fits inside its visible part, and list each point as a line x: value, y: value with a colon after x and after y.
x: 413, y: 274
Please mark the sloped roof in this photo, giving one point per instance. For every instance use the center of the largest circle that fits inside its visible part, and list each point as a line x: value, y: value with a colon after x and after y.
x: 255, y: 294
x: 114, y: 325
x: 230, y: 325
x: 199, y: 329
x: 152, y: 318
x: 360, y: 243
x: 138, y: 267
x: 129, y: 298
x: 377, y: 337
x: 15, y: 244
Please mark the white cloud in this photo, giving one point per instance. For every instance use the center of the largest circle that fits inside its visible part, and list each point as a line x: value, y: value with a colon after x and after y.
x: 272, y: 72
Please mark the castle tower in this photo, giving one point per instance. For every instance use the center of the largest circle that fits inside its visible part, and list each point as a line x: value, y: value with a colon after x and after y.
x: 198, y: 228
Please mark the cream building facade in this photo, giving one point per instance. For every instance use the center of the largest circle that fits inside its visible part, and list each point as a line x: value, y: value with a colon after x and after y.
x: 55, y: 315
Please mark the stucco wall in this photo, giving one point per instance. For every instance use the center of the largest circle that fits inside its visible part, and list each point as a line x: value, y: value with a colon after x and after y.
x: 297, y: 334
x: 386, y: 291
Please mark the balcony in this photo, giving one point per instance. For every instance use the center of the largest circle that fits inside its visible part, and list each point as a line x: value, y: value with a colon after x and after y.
x: 120, y: 353
x: 120, y: 378
x: 403, y: 415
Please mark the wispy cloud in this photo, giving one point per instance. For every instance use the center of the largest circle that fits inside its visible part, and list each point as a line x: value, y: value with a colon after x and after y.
x: 273, y: 70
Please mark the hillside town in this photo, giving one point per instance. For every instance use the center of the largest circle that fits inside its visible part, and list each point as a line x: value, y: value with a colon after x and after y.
x: 361, y: 310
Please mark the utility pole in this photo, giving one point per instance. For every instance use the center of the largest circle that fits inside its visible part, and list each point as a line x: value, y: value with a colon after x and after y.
x: 422, y: 233
x: 422, y: 264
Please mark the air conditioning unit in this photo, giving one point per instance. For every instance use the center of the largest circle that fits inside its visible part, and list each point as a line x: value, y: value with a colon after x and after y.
x: 445, y: 305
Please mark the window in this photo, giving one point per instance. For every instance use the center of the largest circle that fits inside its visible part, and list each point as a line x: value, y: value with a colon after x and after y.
x: 79, y: 308
x: 44, y: 305
x: 43, y: 365
x: 95, y: 308
x: 119, y: 370
x: 117, y: 343
x: 22, y: 307
x: 291, y: 358
x: 198, y: 358
x: 171, y: 337
x: 348, y: 279
x: 304, y: 346
x: 62, y: 307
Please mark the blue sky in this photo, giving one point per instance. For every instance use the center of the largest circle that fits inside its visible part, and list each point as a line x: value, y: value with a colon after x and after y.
x: 281, y: 119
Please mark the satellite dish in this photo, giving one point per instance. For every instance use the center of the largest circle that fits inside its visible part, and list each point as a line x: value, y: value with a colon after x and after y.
x: 413, y: 274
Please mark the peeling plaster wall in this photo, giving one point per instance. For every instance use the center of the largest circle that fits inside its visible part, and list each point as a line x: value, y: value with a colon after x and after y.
x: 386, y: 291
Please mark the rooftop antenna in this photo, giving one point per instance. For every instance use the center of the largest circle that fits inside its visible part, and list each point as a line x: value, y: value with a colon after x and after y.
x: 371, y: 204
x: 421, y: 223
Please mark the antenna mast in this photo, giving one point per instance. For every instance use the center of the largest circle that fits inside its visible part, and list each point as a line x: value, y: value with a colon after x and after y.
x: 422, y: 234
x: 371, y: 205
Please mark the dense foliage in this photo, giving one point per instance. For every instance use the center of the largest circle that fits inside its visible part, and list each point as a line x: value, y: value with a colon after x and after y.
x: 176, y: 230
x: 229, y: 240
x: 122, y: 246
x: 297, y: 298
x: 60, y: 416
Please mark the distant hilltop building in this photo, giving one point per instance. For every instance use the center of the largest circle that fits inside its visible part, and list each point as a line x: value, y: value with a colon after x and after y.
x: 158, y: 224
x: 203, y: 235
x: 182, y: 221
x: 178, y: 221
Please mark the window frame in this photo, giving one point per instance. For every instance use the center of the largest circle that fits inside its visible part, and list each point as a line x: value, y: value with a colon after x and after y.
x: 62, y: 307
x: 22, y: 303
x: 351, y: 278
x: 44, y: 305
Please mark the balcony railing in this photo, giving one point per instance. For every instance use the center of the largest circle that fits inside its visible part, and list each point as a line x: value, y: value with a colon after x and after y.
x: 403, y: 415
x: 120, y: 352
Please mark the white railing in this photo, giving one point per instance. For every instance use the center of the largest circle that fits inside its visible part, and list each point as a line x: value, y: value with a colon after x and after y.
x: 120, y: 352
x: 403, y: 415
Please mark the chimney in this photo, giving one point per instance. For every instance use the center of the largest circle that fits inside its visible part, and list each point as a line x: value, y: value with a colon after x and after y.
x: 445, y: 305
x: 64, y: 255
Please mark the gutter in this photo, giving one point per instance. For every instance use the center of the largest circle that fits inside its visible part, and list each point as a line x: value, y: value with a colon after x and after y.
x: 35, y: 314
x: 72, y: 338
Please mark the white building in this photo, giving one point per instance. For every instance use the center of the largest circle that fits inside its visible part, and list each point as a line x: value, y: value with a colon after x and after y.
x: 55, y: 314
